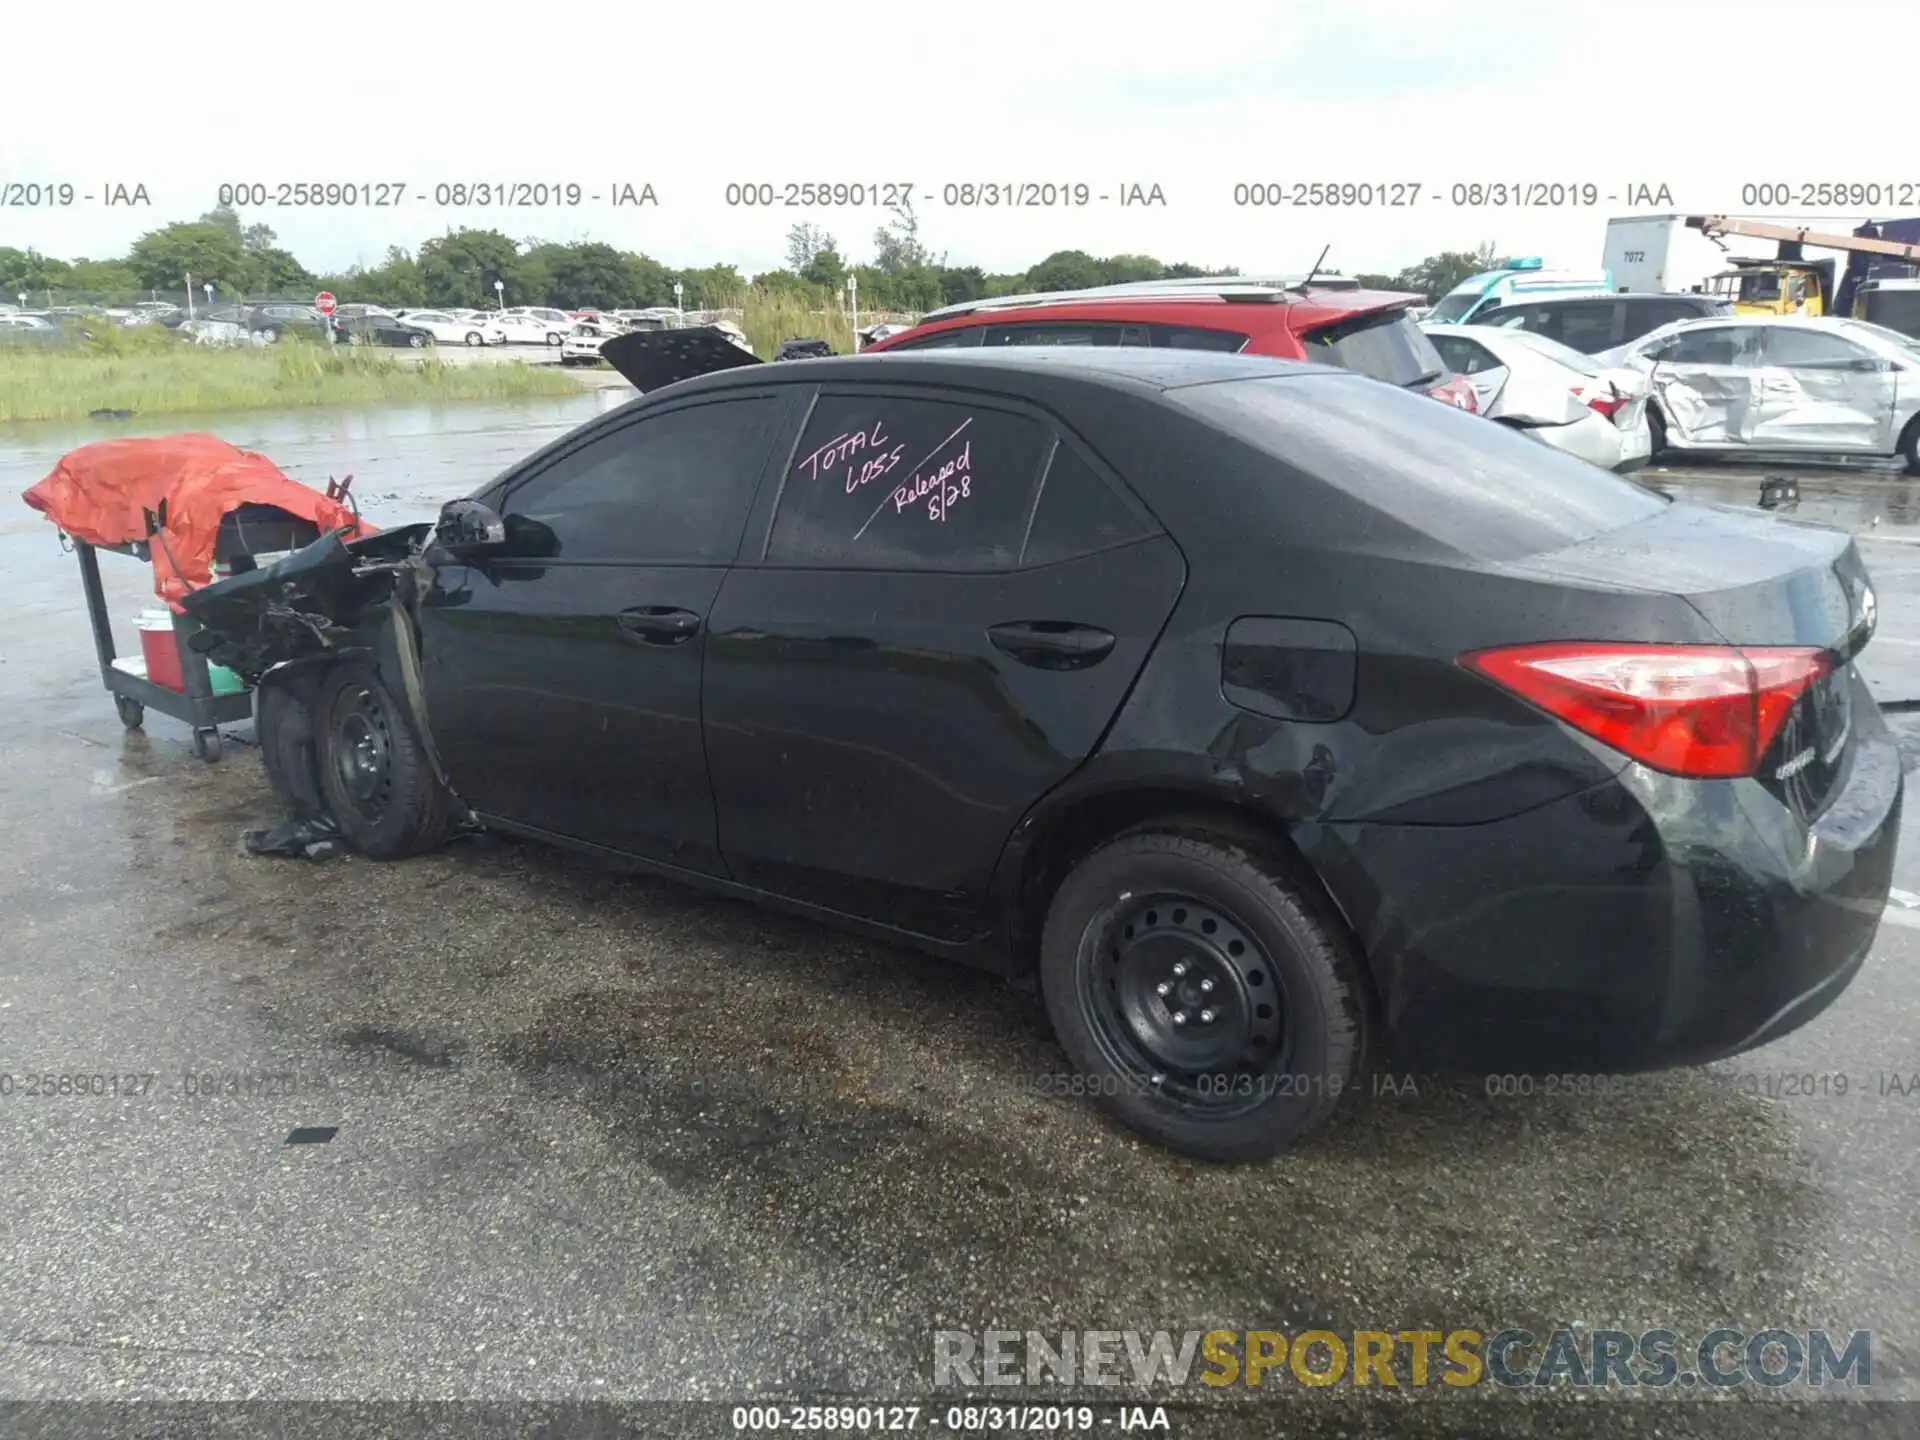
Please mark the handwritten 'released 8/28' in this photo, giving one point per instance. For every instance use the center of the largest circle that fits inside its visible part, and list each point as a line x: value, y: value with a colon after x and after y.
x: 941, y: 488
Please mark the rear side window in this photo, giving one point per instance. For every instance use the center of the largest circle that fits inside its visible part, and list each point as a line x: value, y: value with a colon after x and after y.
x: 1714, y: 345
x: 1587, y: 326
x: 1646, y: 316
x: 1481, y: 490
x: 942, y: 340
x: 1083, y: 333
x: 1385, y: 345
x: 1079, y: 513
x: 1189, y: 337
x: 899, y: 483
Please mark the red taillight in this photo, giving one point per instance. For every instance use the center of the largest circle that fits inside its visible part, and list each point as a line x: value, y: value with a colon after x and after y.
x: 1608, y: 405
x: 1702, y: 711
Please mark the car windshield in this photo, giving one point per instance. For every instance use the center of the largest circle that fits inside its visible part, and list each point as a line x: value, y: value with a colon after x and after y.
x: 1385, y: 345
x: 1562, y: 354
x: 1450, y: 310
x: 1482, y: 490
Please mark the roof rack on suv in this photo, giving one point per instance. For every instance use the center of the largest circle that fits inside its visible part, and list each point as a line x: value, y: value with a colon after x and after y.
x: 1269, y: 289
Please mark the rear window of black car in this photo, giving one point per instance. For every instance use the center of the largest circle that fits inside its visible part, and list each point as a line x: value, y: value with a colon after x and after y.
x: 1479, y: 489
x: 1385, y: 345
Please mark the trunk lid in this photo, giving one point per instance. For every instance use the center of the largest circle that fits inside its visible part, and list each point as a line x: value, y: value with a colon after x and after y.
x: 1757, y: 581
x: 652, y: 359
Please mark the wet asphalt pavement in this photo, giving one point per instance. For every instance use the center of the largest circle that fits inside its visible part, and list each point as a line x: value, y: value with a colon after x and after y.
x: 597, y: 1137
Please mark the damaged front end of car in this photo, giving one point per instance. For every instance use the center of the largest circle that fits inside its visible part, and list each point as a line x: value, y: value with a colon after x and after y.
x: 292, y: 628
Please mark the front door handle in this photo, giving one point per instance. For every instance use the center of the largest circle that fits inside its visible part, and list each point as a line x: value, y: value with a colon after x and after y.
x: 660, y: 624
x: 1052, y: 644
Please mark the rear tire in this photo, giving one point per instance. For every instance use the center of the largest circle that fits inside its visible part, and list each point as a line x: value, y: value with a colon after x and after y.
x: 1656, y: 432
x: 1910, y: 446
x: 553, y: 338
x: 374, y: 774
x: 417, y: 341
x: 474, y: 337
x: 1272, y: 1022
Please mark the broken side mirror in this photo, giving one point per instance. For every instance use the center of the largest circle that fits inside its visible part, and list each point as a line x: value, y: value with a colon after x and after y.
x: 467, y: 527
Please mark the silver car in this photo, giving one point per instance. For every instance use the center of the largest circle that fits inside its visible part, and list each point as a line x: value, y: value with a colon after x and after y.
x: 1786, y: 384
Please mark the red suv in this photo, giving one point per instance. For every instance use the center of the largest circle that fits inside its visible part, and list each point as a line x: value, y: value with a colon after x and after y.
x: 1367, y: 331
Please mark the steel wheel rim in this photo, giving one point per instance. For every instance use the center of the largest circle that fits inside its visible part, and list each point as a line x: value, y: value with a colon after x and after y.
x: 361, y: 753
x: 1185, y: 1002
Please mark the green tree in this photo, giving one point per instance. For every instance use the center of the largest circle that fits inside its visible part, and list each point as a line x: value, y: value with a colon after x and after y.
x: 897, y: 247
x: 961, y: 282
x: 1067, y: 270
x: 648, y: 281
x: 587, y: 275
x: 460, y: 267
x: 804, y: 242
x: 107, y: 280
x: 276, y: 272
x: 825, y: 268
x: 1126, y: 269
x: 25, y: 271
x: 712, y: 288
x: 1437, y: 274
x: 208, y: 251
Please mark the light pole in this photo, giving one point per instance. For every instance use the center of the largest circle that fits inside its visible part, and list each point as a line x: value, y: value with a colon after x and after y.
x: 189, y: 297
x: 207, y: 288
x: 679, y: 291
x: 853, y: 304
x: 500, y: 294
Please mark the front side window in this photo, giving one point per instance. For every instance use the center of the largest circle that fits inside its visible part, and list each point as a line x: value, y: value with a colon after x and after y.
x: 900, y: 483
x: 1041, y: 333
x: 1787, y: 345
x: 1713, y: 345
x: 666, y: 489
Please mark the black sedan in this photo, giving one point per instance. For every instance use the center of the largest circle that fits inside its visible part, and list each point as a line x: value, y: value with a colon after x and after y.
x: 1276, y: 718
x: 376, y: 329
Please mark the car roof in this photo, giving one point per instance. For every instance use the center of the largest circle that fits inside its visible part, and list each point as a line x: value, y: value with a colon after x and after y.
x: 1116, y: 366
x: 1254, y: 310
x: 1527, y: 302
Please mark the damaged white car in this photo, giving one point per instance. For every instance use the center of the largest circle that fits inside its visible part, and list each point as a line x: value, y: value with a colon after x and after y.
x: 1551, y: 391
x: 1783, y: 384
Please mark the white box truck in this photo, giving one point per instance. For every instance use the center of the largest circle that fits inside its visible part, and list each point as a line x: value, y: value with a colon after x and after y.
x: 1649, y: 253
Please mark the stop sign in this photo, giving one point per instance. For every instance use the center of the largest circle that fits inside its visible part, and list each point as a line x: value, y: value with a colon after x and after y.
x: 324, y: 302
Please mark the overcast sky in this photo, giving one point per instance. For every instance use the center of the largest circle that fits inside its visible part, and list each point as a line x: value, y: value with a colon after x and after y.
x: 1192, y: 97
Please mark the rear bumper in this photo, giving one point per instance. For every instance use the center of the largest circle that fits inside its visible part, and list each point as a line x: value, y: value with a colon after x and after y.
x: 1644, y: 923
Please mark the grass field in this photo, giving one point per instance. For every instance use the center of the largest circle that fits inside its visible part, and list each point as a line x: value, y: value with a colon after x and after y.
x: 157, y: 373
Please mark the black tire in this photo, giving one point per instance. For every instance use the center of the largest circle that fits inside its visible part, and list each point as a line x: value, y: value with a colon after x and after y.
x: 283, y: 721
x: 132, y: 713
x: 553, y: 338
x: 207, y: 745
x: 374, y: 775
x: 1910, y: 445
x: 1252, y: 939
x: 417, y: 341
x: 1656, y: 432
x: 474, y: 337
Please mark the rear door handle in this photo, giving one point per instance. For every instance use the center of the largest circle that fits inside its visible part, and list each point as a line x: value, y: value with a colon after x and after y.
x: 660, y: 624
x: 1052, y: 644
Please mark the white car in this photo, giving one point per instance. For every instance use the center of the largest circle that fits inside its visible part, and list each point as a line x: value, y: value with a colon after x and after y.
x: 18, y: 321
x: 582, y: 345
x: 1776, y: 384
x: 544, y: 313
x: 446, y: 327
x: 1551, y: 391
x: 516, y: 328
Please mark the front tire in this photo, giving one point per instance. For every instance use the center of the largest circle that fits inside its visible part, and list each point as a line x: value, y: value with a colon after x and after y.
x: 474, y: 337
x: 1656, y: 432
x: 1910, y: 446
x: 417, y: 341
x: 1204, y: 993
x: 374, y: 774
x: 553, y: 338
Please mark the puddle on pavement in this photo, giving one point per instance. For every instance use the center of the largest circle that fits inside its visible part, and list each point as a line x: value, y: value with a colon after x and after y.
x: 1877, y: 500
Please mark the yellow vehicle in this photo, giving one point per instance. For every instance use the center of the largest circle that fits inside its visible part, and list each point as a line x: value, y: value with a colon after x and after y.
x: 1789, y: 283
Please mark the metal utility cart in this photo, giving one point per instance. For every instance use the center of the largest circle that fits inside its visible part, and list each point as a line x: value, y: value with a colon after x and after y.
x: 245, y: 532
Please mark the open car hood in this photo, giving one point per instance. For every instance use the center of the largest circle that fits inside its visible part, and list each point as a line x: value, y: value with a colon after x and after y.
x: 650, y: 359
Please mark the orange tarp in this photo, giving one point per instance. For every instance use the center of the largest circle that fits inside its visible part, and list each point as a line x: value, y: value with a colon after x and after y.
x: 99, y: 494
